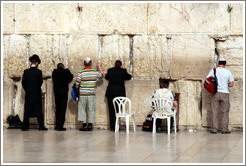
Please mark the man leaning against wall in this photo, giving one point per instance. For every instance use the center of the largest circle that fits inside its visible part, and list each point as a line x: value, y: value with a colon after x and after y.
x: 220, y: 100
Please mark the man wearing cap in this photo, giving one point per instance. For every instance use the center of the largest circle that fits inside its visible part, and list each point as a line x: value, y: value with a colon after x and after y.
x: 61, y: 78
x: 32, y: 81
x: 220, y: 100
x: 86, y: 81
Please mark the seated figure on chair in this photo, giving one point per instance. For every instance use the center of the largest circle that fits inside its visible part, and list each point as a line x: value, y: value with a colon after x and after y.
x: 164, y: 92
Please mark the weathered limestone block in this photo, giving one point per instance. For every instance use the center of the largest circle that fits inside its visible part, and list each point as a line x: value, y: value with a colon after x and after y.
x: 34, y: 18
x: 108, y: 18
x: 50, y: 103
x: 236, y: 106
x: 8, y: 18
x: 188, y: 18
x: 115, y: 47
x: 192, y: 57
x: 15, y: 61
x: 8, y: 91
x: 51, y: 49
x: 232, y: 50
x: 19, y: 100
x: 237, y: 18
x: 80, y: 47
x: 150, y: 57
x: 190, y: 99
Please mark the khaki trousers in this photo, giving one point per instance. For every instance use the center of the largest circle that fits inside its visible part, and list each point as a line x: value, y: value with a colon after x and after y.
x: 220, y: 102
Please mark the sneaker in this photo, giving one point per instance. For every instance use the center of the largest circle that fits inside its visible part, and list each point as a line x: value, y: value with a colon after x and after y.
x: 226, y: 132
x: 89, y: 128
x: 83, y: 128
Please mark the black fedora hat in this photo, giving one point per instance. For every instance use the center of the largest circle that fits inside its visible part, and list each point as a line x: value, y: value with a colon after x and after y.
x: 35, y: 58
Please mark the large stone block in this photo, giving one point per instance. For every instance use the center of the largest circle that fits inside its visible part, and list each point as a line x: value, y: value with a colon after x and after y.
x: 188, y: 18
x: 51, y: 50
x: 111, y: 18
x: 79, y: 47
x: 189, y: 102
x: 8, y: 91
x: 39, y: 18
x: 150, y: 57
x: 19, y: 100
x: 15, y: 57
x: 192, y: 56
x: 237, y: 18
x: 8, y: 18
x: 115, y: 47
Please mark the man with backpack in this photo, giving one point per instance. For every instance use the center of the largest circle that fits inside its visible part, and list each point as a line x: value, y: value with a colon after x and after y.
x: 220, y: 100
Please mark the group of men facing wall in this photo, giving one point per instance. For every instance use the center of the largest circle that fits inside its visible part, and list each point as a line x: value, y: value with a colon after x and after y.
x: 86, y: 82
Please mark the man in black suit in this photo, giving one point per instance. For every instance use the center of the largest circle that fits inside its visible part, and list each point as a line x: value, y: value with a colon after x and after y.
x: 32, y: 81
x: 116, y: 87
x: 61, y: 77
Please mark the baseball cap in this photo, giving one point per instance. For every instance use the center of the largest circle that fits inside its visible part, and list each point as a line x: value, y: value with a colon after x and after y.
x: 87, y: 59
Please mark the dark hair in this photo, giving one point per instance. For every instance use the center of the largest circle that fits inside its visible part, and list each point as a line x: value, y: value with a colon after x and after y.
x: 118, y: 63
x: 222, y: 63
x: 164, y: 83
x: 87, y: 64
x: 60, y: 65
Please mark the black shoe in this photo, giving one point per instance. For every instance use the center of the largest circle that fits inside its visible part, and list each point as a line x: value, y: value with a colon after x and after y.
x: 42, y: 128
x: 83, y: 128
x: 89, y: 128
x: 213, y: 132
x: 56, y: 128
x: 62, y: 129
x: 226, y: 132
x: 24, y: 129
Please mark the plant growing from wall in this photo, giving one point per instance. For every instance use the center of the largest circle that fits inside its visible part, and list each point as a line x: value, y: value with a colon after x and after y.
x: 229, y: 8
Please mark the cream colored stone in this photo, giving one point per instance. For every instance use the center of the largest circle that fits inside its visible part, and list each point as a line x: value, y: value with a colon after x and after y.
x: 8, y: 18
x: 8, y: 91
x: 115, y: 47
x: 14, y: 55
x: 19, y: 100
x: 190, y: 98
x: 150, y: 57
x: 43, y: 18
x: 237, y: 18
x: 80, y: 47
x: 113, y: 18
x: 188, y: 18
x: 192, y: 56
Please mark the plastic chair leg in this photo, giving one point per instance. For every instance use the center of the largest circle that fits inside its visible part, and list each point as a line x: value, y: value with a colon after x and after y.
x: 127, y: 124
x: 154, y: 126
x: 116, y: 124
x: 175, y: 125
x: 168, y: 124
x: 134, y: 123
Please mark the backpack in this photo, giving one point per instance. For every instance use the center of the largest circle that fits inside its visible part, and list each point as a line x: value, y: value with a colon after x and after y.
x: 14, y: 122
x: 75, y: 93
x: 148, y: 124
x: 211, y: 83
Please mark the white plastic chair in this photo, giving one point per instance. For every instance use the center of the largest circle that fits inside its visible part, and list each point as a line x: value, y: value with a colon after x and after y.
x: 163, y: 110
x: 123, y: 111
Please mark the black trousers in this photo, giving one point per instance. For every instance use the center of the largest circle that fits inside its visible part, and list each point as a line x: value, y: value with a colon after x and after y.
x: 111, y: 111
x: 158, y: 123
x: 25, y: 123
x: 61, y: 106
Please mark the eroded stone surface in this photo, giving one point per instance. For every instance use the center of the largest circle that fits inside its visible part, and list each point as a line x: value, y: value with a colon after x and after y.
x: 15, y: 61
x: 113, y: 18
x: 8, y: 18
x: 237, y: 18
x: 188, y: 18
x: 150, y: 57
x: 80, y: 47
x: 192, y: 57
x: 46, y: 17
x: 115, y: 47
x: 8, y: 90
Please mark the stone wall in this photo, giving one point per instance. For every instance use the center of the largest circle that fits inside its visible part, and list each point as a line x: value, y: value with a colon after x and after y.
x: 169, y: 40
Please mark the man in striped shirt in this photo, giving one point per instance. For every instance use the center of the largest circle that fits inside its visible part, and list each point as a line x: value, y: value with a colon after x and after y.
x: 86, y: 81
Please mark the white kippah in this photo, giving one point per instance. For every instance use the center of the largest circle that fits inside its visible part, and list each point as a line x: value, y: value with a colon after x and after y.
x: 222, y: 59
x: 87, y: 59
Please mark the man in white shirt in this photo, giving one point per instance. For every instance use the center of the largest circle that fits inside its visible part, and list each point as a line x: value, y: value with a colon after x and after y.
x: 220, y: 100
x: 164, y: 92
